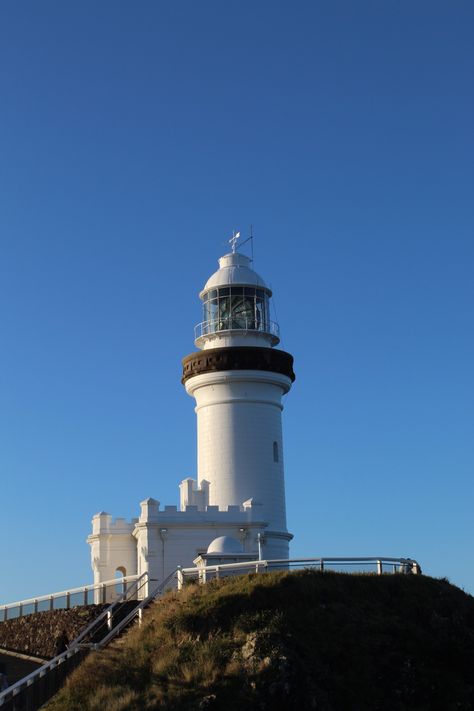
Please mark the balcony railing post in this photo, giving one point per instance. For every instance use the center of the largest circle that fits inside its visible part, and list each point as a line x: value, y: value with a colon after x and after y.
x: 179, y: 576
x: 379, y: 567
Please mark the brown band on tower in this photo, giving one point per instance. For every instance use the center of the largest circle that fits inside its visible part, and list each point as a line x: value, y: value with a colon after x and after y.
x: 237, y: 358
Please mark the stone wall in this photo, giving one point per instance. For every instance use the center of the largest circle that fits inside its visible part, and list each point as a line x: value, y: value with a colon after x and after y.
x: 36, y: 634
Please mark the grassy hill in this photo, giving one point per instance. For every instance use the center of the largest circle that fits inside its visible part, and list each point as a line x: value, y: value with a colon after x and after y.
x: 303, y: 640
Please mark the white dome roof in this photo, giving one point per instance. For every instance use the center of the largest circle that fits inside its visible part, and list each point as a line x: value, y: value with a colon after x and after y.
x: 234, y: 268
x: 225, y: 545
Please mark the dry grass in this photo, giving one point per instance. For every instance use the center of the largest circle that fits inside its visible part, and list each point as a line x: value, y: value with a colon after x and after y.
x: 289, y: 640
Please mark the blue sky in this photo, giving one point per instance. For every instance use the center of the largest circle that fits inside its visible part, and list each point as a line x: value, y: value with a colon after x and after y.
x: 133, y: 138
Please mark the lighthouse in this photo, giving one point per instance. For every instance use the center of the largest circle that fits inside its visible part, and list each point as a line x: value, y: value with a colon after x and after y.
x: 234, y: 508
x: 238, y: 379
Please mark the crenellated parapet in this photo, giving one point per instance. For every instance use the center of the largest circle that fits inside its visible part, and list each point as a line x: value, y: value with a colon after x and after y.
x: 103, y: 523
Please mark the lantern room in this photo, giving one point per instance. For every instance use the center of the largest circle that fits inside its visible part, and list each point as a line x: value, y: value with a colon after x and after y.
x: 236, y: 307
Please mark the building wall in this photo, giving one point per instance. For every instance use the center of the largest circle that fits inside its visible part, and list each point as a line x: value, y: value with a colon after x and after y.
x: 239, y: 432
x: 113, y: 549
x: 161, y: 540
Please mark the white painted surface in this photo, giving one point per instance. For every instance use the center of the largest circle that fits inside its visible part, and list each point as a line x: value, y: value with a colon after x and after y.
x: 162, y: 539
x: 234, y: 268
x: 225, y: 545
x: 239, y: 490
x: 238, y: 420
x: 225, y: 339
x: 112, y: 547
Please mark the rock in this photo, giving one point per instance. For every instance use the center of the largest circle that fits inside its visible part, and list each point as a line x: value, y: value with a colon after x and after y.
x: 207, y: 701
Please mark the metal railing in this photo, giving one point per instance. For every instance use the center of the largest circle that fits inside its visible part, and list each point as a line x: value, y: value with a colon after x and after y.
x: 138, y: 610
x: 236, y: 323
x: 94, y: 594
x: 376, y: 565
x: 34, y: 690
x: 30, y: 693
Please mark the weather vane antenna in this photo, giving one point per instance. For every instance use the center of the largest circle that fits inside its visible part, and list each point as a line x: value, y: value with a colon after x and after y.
x: 233, y: 240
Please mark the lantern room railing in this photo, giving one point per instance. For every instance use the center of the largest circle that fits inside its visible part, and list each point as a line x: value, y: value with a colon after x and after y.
x: 241, y: 323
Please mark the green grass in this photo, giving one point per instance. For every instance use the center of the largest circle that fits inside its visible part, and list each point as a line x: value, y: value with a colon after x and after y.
x: 304, y: 640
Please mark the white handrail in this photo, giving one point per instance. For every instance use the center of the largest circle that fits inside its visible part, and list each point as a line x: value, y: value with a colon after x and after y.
x: 75, y: 646
x: 71, y: 591
x: 236, y: 323
x: 14, y: 689
x: 137, y: 610
x: 406, y: 565
x: 141, y: 580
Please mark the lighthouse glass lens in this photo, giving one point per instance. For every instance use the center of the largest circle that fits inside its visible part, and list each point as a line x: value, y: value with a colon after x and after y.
x: 243, y: 313
x: 236, y: 308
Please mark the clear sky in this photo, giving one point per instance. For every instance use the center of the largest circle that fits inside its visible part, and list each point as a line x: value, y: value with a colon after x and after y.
x: 133, y: 138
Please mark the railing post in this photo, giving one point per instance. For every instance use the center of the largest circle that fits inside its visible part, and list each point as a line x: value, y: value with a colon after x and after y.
x: 321, y: 565
x: 85, y: 596
x: 51, y: 602
x: 104, y: 593
x: 68, y: 601
x: 35, y: 608
x: 379, y: 567
x: 179, y: 576
x: 217, y: 572
x: 20, y: 610
x: 109, y: 620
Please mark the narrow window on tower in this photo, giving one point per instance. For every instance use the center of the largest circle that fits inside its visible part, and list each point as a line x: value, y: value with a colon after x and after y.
x: 275, y: 451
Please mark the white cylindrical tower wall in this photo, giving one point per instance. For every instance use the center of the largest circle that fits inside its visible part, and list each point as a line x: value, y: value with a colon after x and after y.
x: 240, y: 444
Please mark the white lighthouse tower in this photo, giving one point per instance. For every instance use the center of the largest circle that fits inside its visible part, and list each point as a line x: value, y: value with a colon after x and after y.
x: 235, y: 508
x: 238, y: 380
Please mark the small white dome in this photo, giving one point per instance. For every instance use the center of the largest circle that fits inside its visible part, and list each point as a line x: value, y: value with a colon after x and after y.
x: 234, y: 268
x: 225, y: 545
